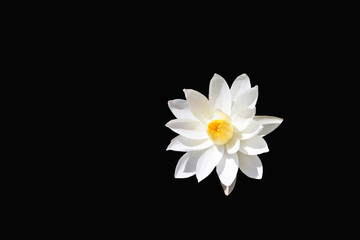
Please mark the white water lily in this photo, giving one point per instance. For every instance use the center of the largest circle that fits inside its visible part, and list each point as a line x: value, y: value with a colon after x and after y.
x: 221, y: 132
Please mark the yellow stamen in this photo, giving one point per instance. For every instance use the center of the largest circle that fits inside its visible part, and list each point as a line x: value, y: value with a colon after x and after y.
x: 220, y: 131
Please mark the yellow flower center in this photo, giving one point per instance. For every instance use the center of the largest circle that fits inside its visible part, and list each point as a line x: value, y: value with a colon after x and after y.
x: 220, y: 131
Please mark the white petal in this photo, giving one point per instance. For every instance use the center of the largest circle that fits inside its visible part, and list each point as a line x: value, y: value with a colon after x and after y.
x: 242, y: 117
x: 227, y: 169
x: 188, y: 128
x: 186, y: 166
x: 183, y: 144
x: 180, y: 108
x: 199, y: 105
x: 246, y: 99
x: 269, y: 123
x: 251, y: 166
x: 253, y: 146
x: 228, y: 189
x: 233, y: 145
x: 219, y: 94
x: 208, y: 161
x: 240, y: 85
x: 218, y: 114
x: 252, y: 129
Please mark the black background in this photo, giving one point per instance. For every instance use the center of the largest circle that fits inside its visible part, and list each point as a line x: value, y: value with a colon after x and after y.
x: 141, y: 171
x: 134, y: 71
x: 101, y: 78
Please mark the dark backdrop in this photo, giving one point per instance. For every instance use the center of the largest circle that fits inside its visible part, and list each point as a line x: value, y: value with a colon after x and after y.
x: 141, y: 171
x: 138, y: 67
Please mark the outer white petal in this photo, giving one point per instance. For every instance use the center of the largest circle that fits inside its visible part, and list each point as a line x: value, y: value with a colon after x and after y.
x: 199, y: 105
x: 252, y: 129
x: 242, y: 117
x: 247, y: 99
x: 180, y: 108
x: 188, y: 128
x: 253, y: 146
x: 208, y: 161
x: 269, y: 123
x: 233, y: 145
x: 219, y: 94
x: 228, y: 189
x: 251, y: 166
x: 186, y: 166
x: 240, y: 85
x: 227, y: 169
x: 183, y: 144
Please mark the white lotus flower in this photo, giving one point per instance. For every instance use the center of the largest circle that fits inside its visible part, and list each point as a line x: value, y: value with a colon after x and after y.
x: 221, y: 132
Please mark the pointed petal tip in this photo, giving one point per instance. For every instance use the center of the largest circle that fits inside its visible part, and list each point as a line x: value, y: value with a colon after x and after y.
x: 228, y: 189
x: 187, y: 91
x: 199, y: 178
x: 243, y: 76
x: 260, y: 173
x: 279, y: 119
x: 178, y: 176
x: 216, y: 75
x: 169, y: 146
x: 265, y: 151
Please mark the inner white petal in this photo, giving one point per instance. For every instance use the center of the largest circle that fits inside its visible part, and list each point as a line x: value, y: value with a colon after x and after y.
x: 219, y: 94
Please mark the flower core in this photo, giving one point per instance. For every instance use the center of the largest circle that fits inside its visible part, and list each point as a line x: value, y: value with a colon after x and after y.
x: 220, y: 131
